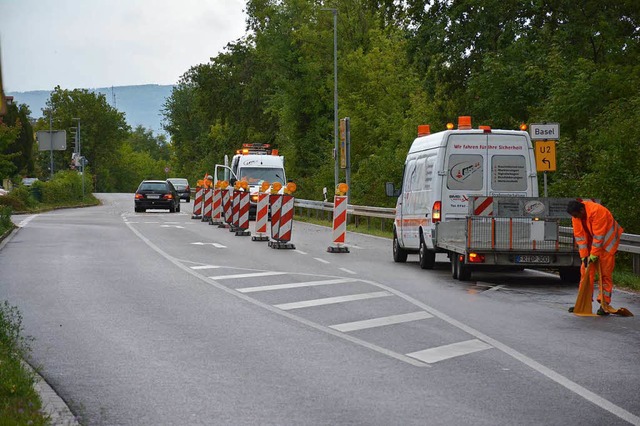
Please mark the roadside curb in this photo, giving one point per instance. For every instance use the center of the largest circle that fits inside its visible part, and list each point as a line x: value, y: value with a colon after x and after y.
x: 52, y: 405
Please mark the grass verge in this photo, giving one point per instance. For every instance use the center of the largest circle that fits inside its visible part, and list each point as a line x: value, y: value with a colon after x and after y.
x: 20, y: 404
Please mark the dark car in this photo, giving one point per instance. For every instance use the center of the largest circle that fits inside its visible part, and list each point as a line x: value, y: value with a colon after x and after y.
x: 156, y: 194
x: 182, y: 186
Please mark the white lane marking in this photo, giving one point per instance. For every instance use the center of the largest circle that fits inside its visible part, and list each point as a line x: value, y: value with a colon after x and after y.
x: 331, y: 300
x: 172, y: 226
x: 348, y: 271
x: 300, y: 251
x: 531, y: 363
x: 380, y: 322
x: 494, y: 288
x: 151, y: 222
x: 294, y: 285
x: 172, y: 223
x: 216, y: 245
x: 25, y: 222
x: 441, y: 353
x: 321, y: 260
x: 270, y: 308
x: 206, y: 267
x: 255, y: 274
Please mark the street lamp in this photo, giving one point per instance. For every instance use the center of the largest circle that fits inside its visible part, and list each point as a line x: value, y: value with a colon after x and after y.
x: 335, y: 93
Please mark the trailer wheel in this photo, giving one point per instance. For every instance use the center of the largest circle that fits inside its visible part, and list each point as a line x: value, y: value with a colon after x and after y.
x: 399, y: 254
x: 463, y: 271
x: 427, y: 257
x: 454, y: 265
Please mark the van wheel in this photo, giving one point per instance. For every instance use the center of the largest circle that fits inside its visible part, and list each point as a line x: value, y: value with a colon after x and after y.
x: 464, y: 271
x: 427, y: 257
x: 399, y: 254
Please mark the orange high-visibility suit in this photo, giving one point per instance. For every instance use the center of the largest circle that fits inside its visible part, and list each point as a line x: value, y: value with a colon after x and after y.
x: 598, y: 234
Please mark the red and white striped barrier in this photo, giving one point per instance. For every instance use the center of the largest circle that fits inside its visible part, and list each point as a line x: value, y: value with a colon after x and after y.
x: 275, y: 201
x: 206, y: 209
x: 243, y: 214
x: 197, y: 204
x: 235, y: 211
x: 339, y: 225
x: 227, y: 200
x: 285, y: 223
x: 262, y: 214
x: 216, y: 214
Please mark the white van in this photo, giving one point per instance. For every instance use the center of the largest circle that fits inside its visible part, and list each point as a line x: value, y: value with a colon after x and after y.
x: 444, y: 169
x: 254, y: 163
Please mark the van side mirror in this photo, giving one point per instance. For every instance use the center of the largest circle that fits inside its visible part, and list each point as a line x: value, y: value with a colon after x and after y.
x: 232, y: 181
x: 391, y: 191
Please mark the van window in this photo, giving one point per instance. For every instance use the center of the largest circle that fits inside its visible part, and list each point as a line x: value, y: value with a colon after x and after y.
x: 431, y: 161
x: 465, y: 172
x: 508, y: 173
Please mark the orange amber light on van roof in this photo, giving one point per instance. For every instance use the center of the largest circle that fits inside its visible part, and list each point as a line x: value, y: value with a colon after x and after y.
x: 523, y: 127
x: 464, y: 122
x: 450, y: 126
x: 424, y: 130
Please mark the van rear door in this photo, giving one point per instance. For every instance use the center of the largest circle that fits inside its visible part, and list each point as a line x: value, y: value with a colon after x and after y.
x: 486, y: 164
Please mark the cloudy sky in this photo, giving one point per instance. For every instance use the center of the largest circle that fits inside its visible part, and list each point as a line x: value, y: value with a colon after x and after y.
x: 103, y: 43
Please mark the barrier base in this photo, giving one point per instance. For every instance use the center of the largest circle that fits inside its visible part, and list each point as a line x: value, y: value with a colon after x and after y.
x: 260, y: 238
x: 281, y: 245
x: 222, y: 225
x: 196, y: 216
x: 206, y: 218
x: 242, y: 233
x: 337, y: 249
x: 233, y: 228
x: 215, y: 222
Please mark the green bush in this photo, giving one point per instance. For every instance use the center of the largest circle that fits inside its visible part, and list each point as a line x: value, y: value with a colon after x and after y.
x: 64, y: 188
x: 19, y: 199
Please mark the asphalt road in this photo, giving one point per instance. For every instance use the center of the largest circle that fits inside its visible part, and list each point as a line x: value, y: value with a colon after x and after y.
x: 157, y: 319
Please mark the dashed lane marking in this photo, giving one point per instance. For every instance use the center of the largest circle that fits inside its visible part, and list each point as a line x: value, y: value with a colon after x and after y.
x: 252, y: 275
x: 300, y: 251
x: 441, y: 353
x: 293, y: 285
x: 321, y: 260
x: 348, y: 271
x: 205, y: 267
x: 332, y: 300
x: 380, y: 322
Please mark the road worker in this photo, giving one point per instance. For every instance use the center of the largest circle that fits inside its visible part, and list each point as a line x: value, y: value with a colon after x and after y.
x: 597, y: 235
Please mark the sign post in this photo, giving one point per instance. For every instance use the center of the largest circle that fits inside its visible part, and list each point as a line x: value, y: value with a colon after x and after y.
x: 545, y: 136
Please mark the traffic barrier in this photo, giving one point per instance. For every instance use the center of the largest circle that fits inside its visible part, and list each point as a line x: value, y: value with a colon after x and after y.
x: 243, y: 214
x: 206, y: 209
x: 227, y: 197
x: 339, y: 225
x: 285, y: 223
x: 216, y: 214
x: 235, y: 211
x: 275, y: 202
x: 197, y: 204
x: 262, y: 214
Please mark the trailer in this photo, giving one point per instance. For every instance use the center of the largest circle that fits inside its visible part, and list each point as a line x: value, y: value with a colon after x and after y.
x: 515, y: 232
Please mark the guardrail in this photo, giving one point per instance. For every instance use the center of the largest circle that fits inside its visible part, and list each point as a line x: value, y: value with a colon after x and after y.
x: 629, y: 243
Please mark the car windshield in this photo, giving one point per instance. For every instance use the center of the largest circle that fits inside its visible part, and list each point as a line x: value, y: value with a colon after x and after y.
x: 255, y: 175
x: 176, y: 182
x: 153, y: 186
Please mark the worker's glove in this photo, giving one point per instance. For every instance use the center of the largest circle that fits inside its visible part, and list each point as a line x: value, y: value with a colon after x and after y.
x: 593, y: 258
x: 585, y: 261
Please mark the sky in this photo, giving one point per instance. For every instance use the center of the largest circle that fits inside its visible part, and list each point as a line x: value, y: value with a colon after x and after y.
x: 102, y: 43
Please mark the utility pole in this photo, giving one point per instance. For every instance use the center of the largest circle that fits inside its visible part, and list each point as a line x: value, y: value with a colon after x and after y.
x: 335, y: 95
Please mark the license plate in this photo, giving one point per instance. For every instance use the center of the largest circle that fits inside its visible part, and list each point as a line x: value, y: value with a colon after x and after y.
x: 533, y: 258
x: 151, y: 196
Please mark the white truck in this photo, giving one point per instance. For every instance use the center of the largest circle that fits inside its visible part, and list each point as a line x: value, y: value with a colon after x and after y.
x: 254, y: 163
x: 456, y: 187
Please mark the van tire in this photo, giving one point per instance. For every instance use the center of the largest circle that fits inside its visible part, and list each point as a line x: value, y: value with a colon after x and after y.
x: 399, y: 254
x: 427, y: 257
x: 464, y: 271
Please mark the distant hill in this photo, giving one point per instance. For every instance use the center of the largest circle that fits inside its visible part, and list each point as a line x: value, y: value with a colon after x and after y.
x: 141, y: 104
